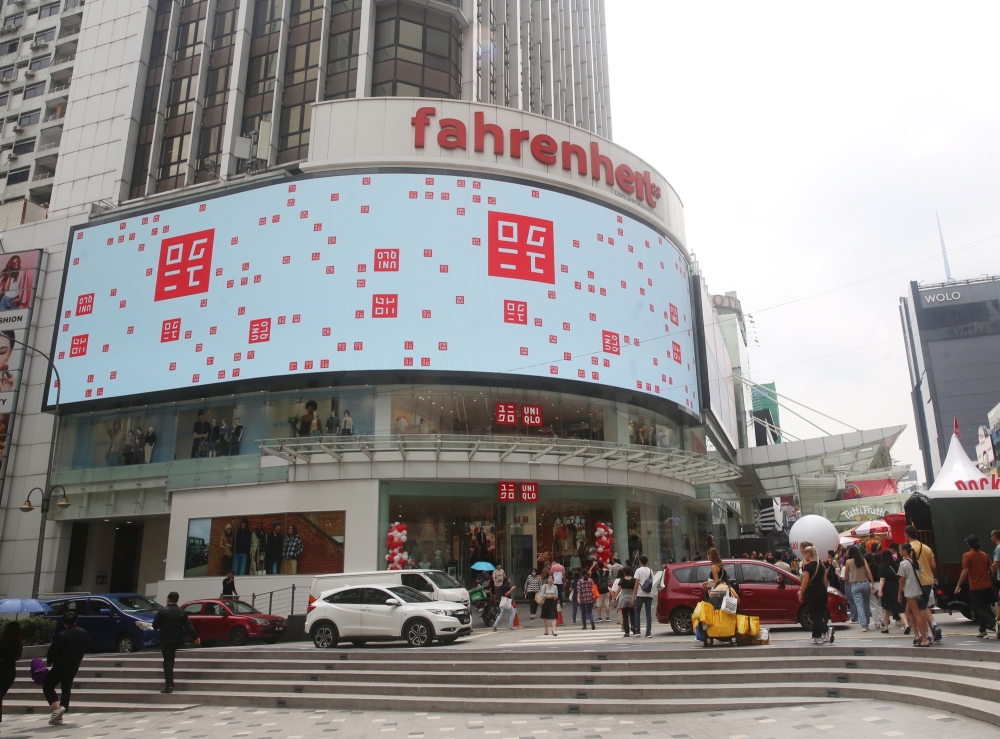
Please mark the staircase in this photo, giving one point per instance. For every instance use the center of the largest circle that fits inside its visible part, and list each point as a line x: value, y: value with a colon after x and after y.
x: 585, y: 680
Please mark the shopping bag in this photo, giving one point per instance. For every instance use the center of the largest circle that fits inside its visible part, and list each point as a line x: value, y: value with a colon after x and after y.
x: 743, y: 625
x: 754, y: 625
x: 730, y: 604
x: 539, y: 598
x: 38, y: 671
x: 505, y: 602
x: 595, y: 591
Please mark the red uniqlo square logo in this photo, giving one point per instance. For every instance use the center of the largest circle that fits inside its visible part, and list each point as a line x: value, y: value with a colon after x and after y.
x: 341, y: 346
x: 506, y: 414
x: 326, y: 331
x: 529, y: 492
x: 84, y: 305
x: 459, y: 300
x: 324, y: 364
x: 506, y: 492
x: 385, y: 306
x: 676, y: 348
x: 387, y: 260
x: 524, y: 351
x: 78, y: 345
x: 521, y: 248
x: 170, y: 330
x: 425, y: 314
x: 360, y: 313
x: 673, y: 315
x: 538, y: 322
x: 185, y: 265
x: 531, y: 415
x: 442, y: 346
x: 408, y: 345
x: 610, y: 342
x: 407, y: 361
x: 515, y: 311
x: 425, y: 361
x: 260, y: 330
x: 358, y: 346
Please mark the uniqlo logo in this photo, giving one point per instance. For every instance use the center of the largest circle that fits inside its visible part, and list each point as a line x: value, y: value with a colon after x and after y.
x: 385, y: 306
x: 459, y: 300
x: 593, y: 360
x: 673, y: 315
x: 170, y: 330
x: 428, y: 196
x: 521, y: 248
x: 342, y: 346
x: 515, y: 311
x: 552, y: 294
x: 567, y: 356
x: 359, y: 313
x: 442, y: 346
x: 185, y: 265
x: 676, y: 352
x: 593, y: 316
x: 188, y: 334
x: 610, y: 342
x: 237, y: 356
x: 358, y: 346
x: 529, y: 492
x: 407, y: 361
x: 324, y: 364
x: 553, y: 339
x: 326, y: 331
x: 84, y: 305
x: 199, y: 347
x: 408, y: 345
x: 524, y: 351
x: 538, y: 322
x: 281, y: 322
x: 565, y: 326
x: 531, y: 415
x: 260, y: 330
x: 387, y: 260
x: 581, y: 373
x: 506, y: 492
x: 78, y: 345
x: 506, y: 414
x: 210, y: 361
x: 292, y: 366
x: 425, y: 314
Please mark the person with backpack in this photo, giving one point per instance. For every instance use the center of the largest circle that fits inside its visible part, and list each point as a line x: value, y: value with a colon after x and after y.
x: 644, y: 596
x: 63, y: 660
x: 600, y: 575
x: 976, y: 569
x: 924, y: 556
x: 624, y: 594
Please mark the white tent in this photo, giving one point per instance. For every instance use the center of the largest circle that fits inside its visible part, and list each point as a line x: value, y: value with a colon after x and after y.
x: 958, y: 472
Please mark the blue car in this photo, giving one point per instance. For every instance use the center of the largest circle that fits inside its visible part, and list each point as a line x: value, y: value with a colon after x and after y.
x: 120, y: 622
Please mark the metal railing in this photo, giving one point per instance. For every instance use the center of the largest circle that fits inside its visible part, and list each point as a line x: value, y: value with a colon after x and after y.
x: 72, y: 4
x: 57, y: 88
x: 63, y: 59
x: 280, y: 602
x: 43, y: 176
x: 46, y: 147
x: 53, y: 117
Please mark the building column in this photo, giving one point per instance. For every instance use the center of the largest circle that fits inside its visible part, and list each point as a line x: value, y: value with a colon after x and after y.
x: 199, y: 95
x: 237, y: 85
x: 161, y: 103
x: 366, y: 50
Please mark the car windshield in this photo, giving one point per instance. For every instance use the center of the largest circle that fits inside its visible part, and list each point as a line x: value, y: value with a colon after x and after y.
x: 442, y: 579
x: 135, y: 603
x: 409, y: 595
x: 238, y: 606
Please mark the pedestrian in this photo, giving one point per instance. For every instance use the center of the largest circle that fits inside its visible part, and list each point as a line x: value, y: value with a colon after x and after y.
x: 574, y: 578
x: 601, y: 578
x: 888, y: 590
x: 644, y: 595
x: 911, y: 589
x: 832, y: 578
x: 532, y: 586
x: 976, y: 569
x: 860, y: 578
x: 926, y: 572
x: 503, y: 596
x: 550, y: 606
x: 63, y: 660
x: 624, y: 590
x: 585, y: 598
x: 615, y: 568
x: 558, y: 575
x: 173, y: 624
x: 812, y: 592
x: 11, y: 644
x: 229, y: 587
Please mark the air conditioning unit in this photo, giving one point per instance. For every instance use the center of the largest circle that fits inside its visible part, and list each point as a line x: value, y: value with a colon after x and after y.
x: 12, y: 157
x: 18, y: 2
x: 29, y: 73
x: 9, y: 29
x: 6, y: 80
x: 34, y: 46
x: 17, y: 128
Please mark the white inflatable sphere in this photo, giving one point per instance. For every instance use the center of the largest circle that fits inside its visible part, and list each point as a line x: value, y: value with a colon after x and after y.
x: 817, y: 530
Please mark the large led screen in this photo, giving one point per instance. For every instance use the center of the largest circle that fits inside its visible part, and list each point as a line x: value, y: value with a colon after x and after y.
x: 393, y: 271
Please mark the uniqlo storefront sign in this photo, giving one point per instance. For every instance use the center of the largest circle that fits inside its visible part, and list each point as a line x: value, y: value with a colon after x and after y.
x: 397, y: 271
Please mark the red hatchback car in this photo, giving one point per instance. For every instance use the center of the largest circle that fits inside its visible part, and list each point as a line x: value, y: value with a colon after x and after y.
x: 219, y: 619
x: 765, y: 590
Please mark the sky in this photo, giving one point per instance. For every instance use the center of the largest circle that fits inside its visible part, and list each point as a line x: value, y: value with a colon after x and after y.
x: 811, y: 144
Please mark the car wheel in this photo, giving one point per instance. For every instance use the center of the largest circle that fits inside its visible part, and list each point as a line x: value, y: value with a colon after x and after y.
x: 324, y: 635
x: 126, y: 644
x: 680, y: 621
x: 359, y: 642
x: 238, y: 636
x: 418, y: 633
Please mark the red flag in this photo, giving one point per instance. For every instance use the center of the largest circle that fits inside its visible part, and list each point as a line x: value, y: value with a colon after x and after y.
x: 958, y: 431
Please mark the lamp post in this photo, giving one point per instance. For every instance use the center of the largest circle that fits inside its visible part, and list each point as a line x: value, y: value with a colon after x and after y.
x: 63, y: 502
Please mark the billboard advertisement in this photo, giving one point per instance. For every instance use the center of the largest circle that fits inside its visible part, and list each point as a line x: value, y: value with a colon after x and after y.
x: 389, y: 271
x: 719, y: 370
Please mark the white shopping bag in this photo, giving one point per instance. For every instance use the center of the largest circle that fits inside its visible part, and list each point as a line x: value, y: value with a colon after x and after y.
x: 729, y: 603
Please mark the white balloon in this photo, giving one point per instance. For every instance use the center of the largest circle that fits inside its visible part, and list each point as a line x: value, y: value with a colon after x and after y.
x: 815, y: 529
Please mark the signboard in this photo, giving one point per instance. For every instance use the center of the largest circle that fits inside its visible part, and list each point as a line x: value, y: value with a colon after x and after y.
x: 392, y: 272
x: 529, y: 492
x: 506, y: 491
x: 19, y: 276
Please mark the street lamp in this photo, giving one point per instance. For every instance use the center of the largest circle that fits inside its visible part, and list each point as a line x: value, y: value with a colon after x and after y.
x: 63, y: 502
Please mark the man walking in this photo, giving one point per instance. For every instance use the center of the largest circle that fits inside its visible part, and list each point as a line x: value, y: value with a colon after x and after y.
x: 644, y: 596
x: 976, y: 569
x: 63, y: 659
x: 173, y: 624
x: 928, y: 565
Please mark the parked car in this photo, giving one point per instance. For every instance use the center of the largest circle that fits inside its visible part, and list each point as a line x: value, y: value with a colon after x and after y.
x: 765, y: 591
x: 219, y: 619
x: 435, y: 584
x: 122, y: 622
x: 389, y: 613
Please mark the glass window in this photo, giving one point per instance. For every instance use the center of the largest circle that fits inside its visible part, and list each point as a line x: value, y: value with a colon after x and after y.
x: 29, y: 119
x: 96, y: 606
x: 48, y: 10
x: 34, y: 91
x: 3, y: 99
x: 417, y: 582
x: 18, y: 175
x: 9, y: 47
x: 45, y: 36
x: 214, y: 609
x: 40, y: 63
x: 345, y: 597
x: 758, y: 574
x: 376, y: 597
x: 193, y: 609
x: 683, y: 574
x: 442, y: 579
x: 24, y: 147
x: 14, y: 20
x: 238, y: 606
x: 409, y: 595
x: 136, y: 603
x: 7, y: 73
x: 425, y: 45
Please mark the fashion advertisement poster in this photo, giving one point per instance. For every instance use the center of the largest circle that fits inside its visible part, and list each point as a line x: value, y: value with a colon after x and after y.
x: 269, y: 544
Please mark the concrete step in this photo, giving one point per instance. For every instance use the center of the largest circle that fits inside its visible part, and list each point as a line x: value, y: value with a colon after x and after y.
x: 39, y: 706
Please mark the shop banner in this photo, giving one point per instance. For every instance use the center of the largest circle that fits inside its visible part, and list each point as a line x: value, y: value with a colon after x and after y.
x: 19, y: 274
x: 869, y: 488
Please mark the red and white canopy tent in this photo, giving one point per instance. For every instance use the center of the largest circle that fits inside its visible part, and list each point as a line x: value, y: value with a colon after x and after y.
x: 958, y: 472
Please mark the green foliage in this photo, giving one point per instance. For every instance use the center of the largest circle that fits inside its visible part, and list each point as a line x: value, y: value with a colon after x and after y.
x: 35, y: 629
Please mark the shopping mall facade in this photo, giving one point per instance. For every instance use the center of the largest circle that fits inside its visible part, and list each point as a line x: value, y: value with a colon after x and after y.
x: 476, y: 316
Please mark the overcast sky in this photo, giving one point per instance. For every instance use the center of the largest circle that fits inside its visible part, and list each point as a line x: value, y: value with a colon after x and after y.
x: 811, y: 145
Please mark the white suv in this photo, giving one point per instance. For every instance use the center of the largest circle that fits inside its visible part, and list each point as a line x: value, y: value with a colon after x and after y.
x: 384, y: 613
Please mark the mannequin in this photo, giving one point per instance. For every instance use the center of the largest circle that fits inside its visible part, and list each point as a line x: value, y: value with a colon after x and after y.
x: 333, y: 424
x: 223, y: 448
x: 236, y: 437
x: 150, y: 442
x: 438, y: 561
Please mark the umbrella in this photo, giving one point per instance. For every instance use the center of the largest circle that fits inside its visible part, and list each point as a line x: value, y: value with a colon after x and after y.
x: 483, y: 566
x: 24, y: 605
x: 877, y: 527
x: 846, y: 541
